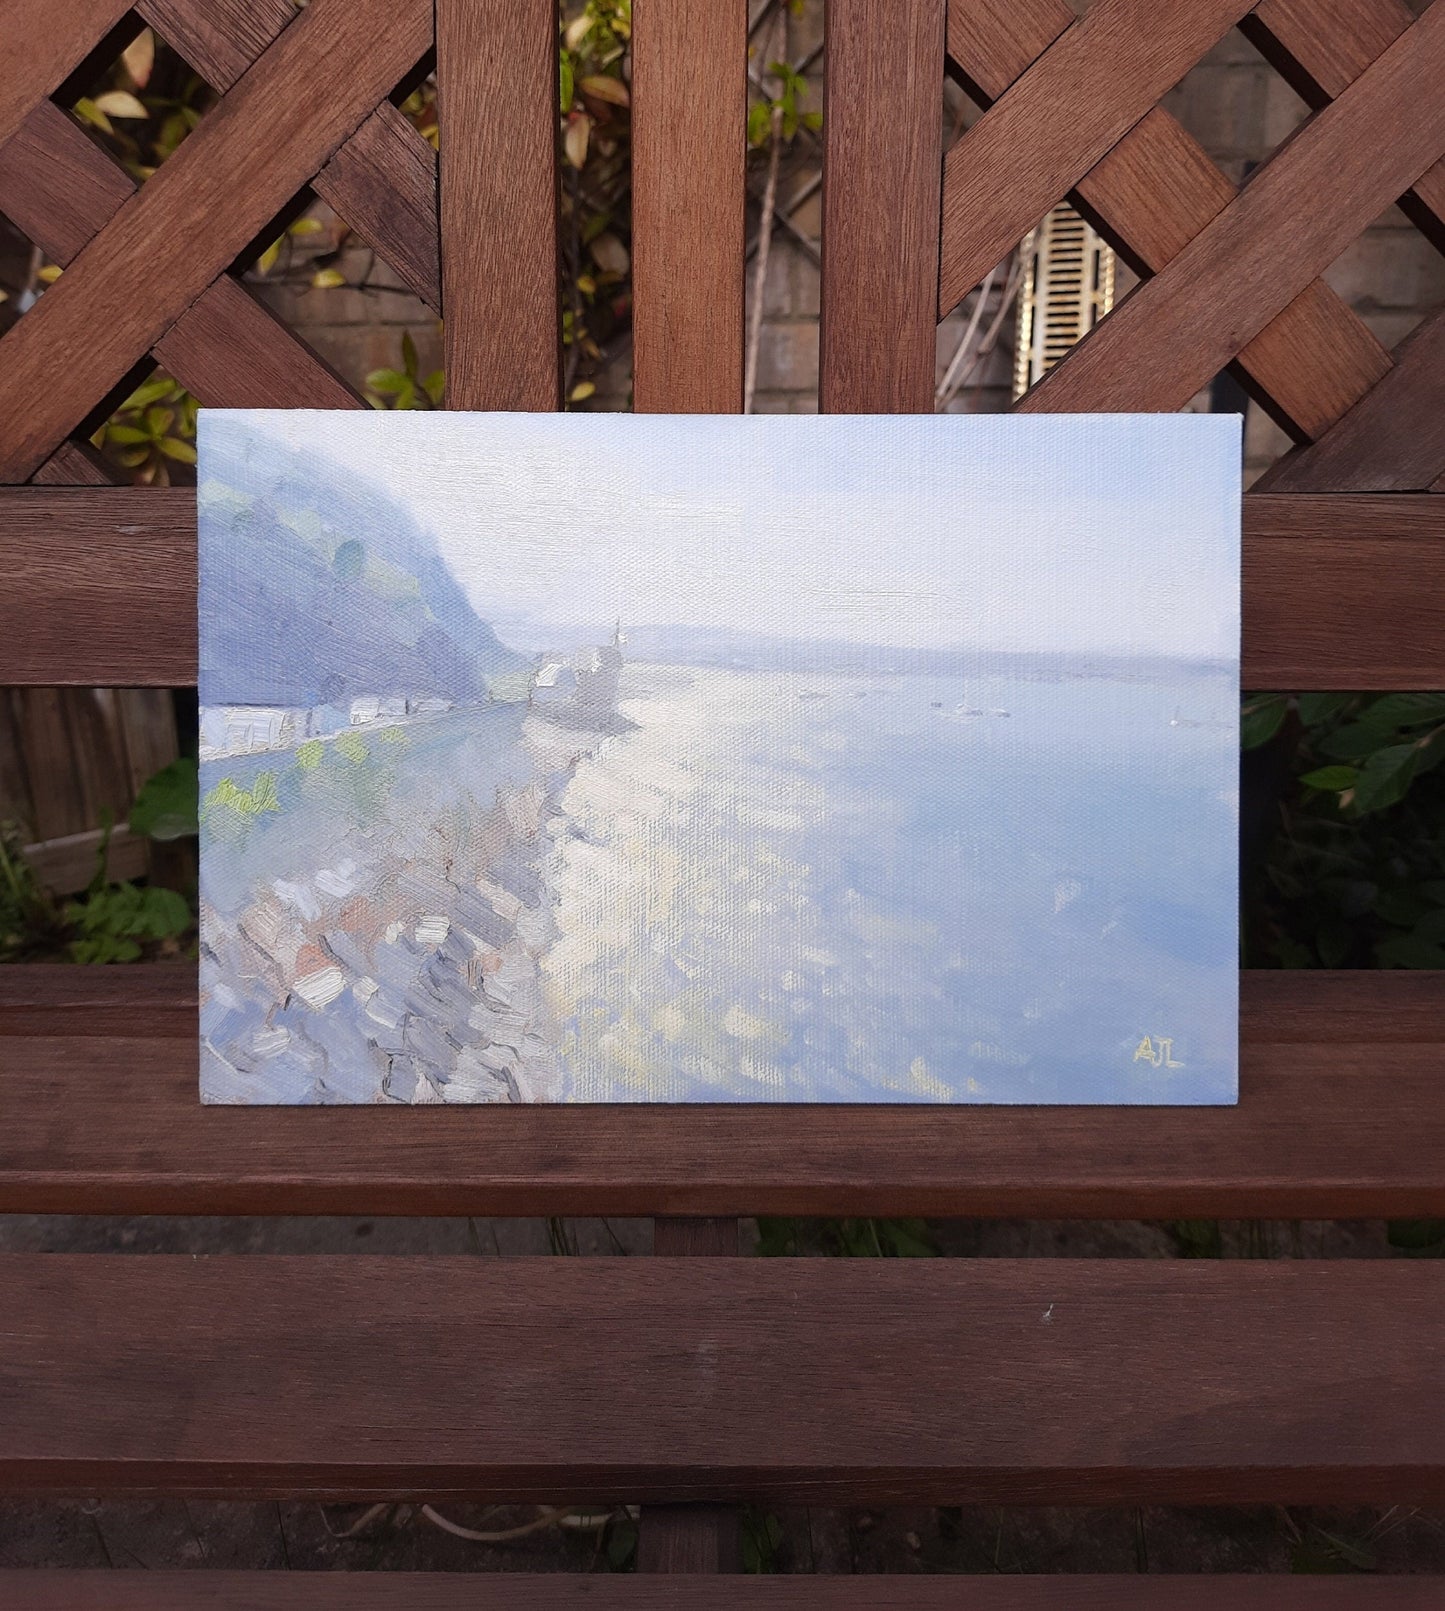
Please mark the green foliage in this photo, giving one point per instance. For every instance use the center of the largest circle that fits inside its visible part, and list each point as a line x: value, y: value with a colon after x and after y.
x: 30, y: 922
x: 1354, y: 873
x: 762, y: 1538
x: 166, y: 807
x: 114, y: 921
x: 783, y: 109
x: 152, y: 432
x: 404, y: 388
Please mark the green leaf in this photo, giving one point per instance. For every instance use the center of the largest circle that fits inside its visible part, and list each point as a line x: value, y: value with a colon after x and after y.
x: 408, y: 354
x: 1353, y: 743
x: 174, y: 448
x: 565, y: 81
x: 127, y: 436
x: 1385, y: 777
x: 150, y: 391
x: 386, y: 380
x: 121, y: 103
x: 760, y: 120
x: 1261, y: 720
x: 1315, y: 709
x: 1333, y: 778
x: 165, y: 808
x: 327, y: 279
x: 1406, y: 710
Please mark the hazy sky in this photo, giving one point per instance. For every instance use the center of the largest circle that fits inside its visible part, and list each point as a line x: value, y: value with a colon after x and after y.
x: 1069, y: 532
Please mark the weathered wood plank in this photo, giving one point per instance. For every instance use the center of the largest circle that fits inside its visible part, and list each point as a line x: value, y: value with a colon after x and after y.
x: 1183, y: 326
x: 169, y: 242
x: 57, y: 185
x: 1342, y: 1113
x: 400, y: 1591
x: 496, y: 104
x: 689, y: 108
x: 561, y: 1591
x: 1393, y: 440
x: 225, y: 348
x: 1151, y: 194
x: 1010, y: 1381
x: 1338, y: 593
x: 233, y: 352
x: 882, y: 148
x: 43, y: 44
x: 383, y: 182
x: 219, y: 38
x: 1026, y: 152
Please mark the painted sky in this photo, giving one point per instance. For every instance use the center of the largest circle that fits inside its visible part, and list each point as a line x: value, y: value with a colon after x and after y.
x: 1068, y: 533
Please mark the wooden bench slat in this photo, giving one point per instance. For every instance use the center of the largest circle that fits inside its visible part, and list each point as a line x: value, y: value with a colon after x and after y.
x: 496, y: 107
x: 562, y: 1591
x: 1339, y: 592
x: 689, y: 112
x: 1343, y: 1113
x: 882, y: 148
x: 990, y: 1381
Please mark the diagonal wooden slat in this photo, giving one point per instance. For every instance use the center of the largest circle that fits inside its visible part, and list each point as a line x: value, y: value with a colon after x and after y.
x: 43, y: 44
x: 219, y: 38
x: 1180, y: 328
x: 171, y: 240
x: 1342, y: 1113
x: 1022, y: 155
x: 688, y: 190
x: 62, y: 189
x: 232, y: 352
x: 1157, y: 189
x: 496, y: 106
x: 880, y: 202
x: 383, y: 182
x: 1391, y: 441
x: 1031, y: 1380
x: 212, y: 1590
x: 1322, y: 46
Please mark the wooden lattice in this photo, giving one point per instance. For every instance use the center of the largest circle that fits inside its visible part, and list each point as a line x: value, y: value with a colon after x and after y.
x: 1107, y: 1382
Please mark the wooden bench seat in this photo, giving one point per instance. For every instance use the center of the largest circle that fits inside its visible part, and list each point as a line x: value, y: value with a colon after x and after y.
x: 812, y: 1381
x: 1342, y: 1114
x: 411, y: 1591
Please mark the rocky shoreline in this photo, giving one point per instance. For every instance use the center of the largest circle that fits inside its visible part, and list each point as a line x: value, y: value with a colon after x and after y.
x: 407, y: 966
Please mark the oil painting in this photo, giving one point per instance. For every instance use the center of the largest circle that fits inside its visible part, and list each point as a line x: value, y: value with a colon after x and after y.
x: 611, y: 758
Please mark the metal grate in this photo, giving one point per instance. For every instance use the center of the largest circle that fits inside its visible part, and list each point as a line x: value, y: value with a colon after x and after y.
x: 1068, y: 286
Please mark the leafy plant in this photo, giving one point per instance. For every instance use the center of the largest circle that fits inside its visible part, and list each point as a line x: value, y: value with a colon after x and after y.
x: 152, y: 431
x: 404, y: 388
x: 1353, y: 873
x: 166, y: 807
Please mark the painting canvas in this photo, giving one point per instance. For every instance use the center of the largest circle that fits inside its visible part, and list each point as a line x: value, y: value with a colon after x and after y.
x: 605, y: 758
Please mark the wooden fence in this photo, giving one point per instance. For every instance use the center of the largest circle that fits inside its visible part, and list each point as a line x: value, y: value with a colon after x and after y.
x: 1192, y: 1382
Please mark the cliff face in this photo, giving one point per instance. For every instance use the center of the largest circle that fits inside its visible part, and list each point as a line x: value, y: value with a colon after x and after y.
x: 316, y: 589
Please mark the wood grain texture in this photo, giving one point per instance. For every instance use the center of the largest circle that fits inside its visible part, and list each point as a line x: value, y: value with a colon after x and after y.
x: 691, y: 1539
x: 882, y: 148
x: 226, y: 349
x: 689, y: 109
x: 43, y: 44
x: 383, y: 182
x: 233, y: 352
x: 219, y: 38
x: 497, y: 110
x: 77, y: 464
x: 1010, y: 1381
x: 1184, y: 325
x: 166, y: 245
x: 1321, y: 46
x: 562, y: 1591
x: 1342, y: 1114
x: 1339, y: 592
x: 1055, y: 123
x: 1393, y: 440
x: 1151, y: 194
x: 56, y: 184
